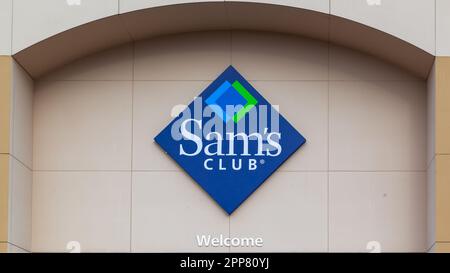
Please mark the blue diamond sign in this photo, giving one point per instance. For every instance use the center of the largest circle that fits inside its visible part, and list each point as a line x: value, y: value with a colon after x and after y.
x: 230, y: 139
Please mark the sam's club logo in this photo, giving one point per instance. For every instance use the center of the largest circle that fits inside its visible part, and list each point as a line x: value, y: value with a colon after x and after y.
x: 230, y: 139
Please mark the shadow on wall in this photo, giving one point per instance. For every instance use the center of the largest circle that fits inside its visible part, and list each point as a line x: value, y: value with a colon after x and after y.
x: 112, y: 31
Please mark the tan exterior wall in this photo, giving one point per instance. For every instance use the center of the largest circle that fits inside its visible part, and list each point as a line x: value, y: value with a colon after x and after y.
x: 4, y: 192
x: 442, y: 155
x: 16, y: 91
x: 5, y: 102
x: 5, y: 109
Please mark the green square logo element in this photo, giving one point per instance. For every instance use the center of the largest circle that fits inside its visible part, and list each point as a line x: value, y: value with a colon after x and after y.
x: 251, y: 101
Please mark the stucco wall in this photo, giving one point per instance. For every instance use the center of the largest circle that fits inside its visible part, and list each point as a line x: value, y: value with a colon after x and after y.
x: 99, y: 179
x: 25, y: 22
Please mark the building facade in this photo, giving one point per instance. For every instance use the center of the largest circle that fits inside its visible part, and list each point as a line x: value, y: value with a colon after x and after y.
x: 85, y: 86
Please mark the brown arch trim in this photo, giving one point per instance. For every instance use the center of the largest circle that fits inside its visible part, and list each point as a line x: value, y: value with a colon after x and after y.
x: 105, y: 33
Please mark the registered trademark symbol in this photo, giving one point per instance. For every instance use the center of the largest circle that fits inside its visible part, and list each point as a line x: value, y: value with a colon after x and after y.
x: 262, y: 161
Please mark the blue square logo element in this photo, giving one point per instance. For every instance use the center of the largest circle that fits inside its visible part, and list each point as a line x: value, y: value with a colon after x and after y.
x: 230, y: 139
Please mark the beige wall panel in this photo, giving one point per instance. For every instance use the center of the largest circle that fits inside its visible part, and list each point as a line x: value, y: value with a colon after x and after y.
x: 4, y: 196
x: 362, y: 112
x: 442, y: 157
x: 431, y: 114
x: 3, y: 247
x: 5, y: 102
x: 170, y: 210
x: 442, y: 28
x: 387, y: 207
x: 20, y: 185
x: 431, y: 204
x: 99, y: 135
x: 442, y: 201
x: 441, y: 248
x: 22, y: 116
x: 289, y: 211
x: 443, y: 105
x: 92, y: 208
